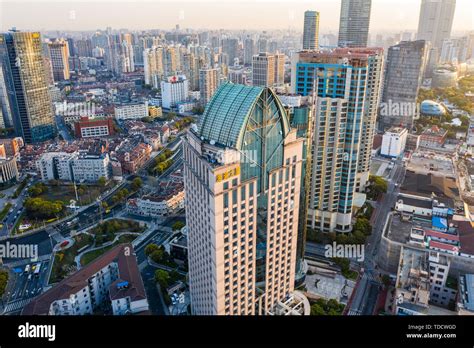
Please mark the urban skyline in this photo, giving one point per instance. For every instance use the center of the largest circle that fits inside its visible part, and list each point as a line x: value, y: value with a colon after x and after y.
x: 387, y: 14
x: 270, y: 172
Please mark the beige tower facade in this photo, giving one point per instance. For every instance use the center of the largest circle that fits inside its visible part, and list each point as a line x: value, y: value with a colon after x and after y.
x: 242, y: 174
x: 59, y: 53
x: 208, y: 83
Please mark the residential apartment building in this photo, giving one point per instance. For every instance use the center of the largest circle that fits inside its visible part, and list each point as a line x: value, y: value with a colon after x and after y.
x: 59, y: 54
x: 77, y: 167
x: 90, y: 168
x: 268, y: 70
x: 131, y: 111
x: 8, y: 170
x: 208, y: 83
x: 343, y: 131
x: 158, y: 206
x: 113, y: 278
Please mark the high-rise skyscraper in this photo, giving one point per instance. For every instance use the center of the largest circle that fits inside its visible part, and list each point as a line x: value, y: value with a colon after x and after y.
x: 242, y: 172
x: 347, y: 89
x: 268, y: 70
x: 279, y: 79
x: 403, y: 77
x: 208, y: 83
x: 231, y: 48
x: 249, y: 51
x: 263, y: 70
x: 436, y: 21
x: 354, y: 23
x: 4, y: 101
x: 59, y: 55
x: 153, y: 66
x: 311, y: 30
x: 28, y: 91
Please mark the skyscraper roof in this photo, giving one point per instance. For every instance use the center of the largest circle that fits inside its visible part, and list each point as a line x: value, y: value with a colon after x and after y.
x: 226, y: 114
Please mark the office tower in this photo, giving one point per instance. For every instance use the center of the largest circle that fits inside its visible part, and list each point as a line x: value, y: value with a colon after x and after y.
x: 4, y: 102
x: 84, y: 48
x: 454, y: 51
x: 153, y: 66
x: 311, y: 30
x: 347, y: 94
x: 273, y: 47
x: 26, y: 85
x: 242, y: 172
x: 208, y: 83
x: 262, y: 45
x: 354, y: 23
x: 436, y: 21
x: 263, y: 70
x: 403, y: 77
x: 249, y: 51
x: 231, y: 48
x: 59, y: 55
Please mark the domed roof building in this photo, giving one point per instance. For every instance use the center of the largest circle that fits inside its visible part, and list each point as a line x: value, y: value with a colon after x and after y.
x: 432, y: 108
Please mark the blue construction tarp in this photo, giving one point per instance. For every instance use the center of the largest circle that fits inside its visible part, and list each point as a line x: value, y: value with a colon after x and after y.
x: 439, y: 223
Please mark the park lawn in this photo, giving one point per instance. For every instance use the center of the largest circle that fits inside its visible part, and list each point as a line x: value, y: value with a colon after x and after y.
x: 92, y: 255
x: 117, y: 226
x: 64, y: 260
x: 66, y: 193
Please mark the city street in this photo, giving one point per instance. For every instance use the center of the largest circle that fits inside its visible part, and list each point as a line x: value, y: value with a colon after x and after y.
x: 369, y: 286
x: 25, y: 285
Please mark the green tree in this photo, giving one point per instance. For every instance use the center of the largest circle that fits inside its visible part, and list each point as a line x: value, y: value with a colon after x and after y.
x: 40, y: 208
x: 158, y: 255
x: 102, y: 181
x: 150, y: 248
x: 137, y: 184
x: 377, y: 186
x: 178, y: 225
x: 316, y: 309
x: 363, y: 225
x: 162, y: 277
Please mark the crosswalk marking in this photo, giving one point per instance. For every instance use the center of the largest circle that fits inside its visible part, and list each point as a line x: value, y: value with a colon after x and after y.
x: 16, y: 305
x: 354, y: 312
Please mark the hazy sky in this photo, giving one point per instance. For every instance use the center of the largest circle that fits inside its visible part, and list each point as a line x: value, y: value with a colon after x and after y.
x: 213, y: 14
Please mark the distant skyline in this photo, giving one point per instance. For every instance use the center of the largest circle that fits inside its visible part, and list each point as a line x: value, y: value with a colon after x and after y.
x: 387, y: 15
